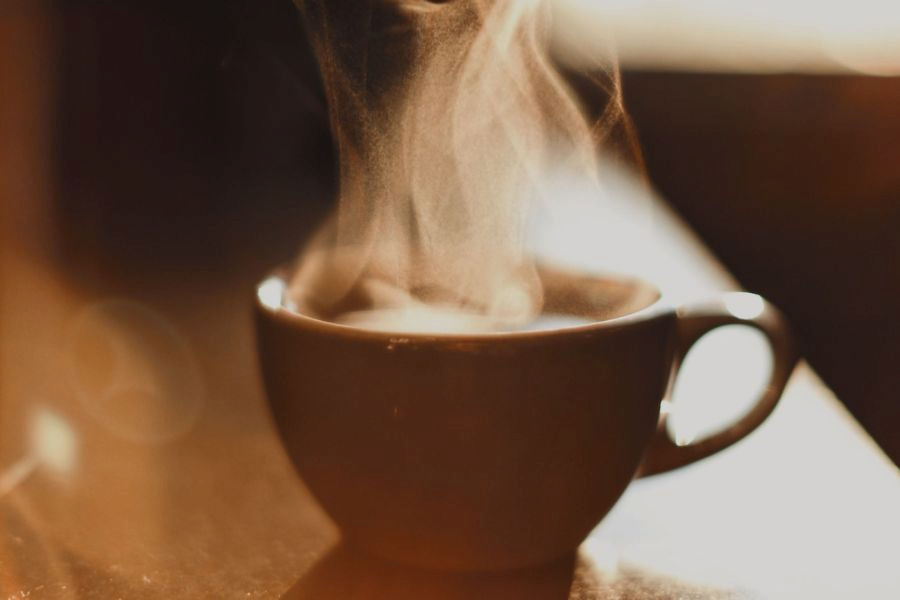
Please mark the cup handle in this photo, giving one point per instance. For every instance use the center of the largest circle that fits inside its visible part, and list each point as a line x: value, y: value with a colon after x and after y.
x: 695, y: 321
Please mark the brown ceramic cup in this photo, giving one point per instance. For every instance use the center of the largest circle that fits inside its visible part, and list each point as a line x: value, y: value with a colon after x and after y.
x: 500, y: 450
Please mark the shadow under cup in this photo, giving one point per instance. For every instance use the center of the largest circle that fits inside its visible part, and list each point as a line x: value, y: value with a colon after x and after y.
x: 492, y: 451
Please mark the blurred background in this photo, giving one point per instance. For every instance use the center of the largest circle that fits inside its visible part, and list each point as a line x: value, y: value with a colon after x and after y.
x: 165, y: 146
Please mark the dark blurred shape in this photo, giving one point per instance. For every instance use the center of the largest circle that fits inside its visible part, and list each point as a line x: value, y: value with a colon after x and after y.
x: 185, y: 131
x: 814, y: 163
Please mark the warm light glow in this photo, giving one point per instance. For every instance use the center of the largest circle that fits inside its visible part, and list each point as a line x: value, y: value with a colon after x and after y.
x: 53, y: 445
x: 271, y: 292
x: 745, y: 306
x: 734, y: 35
x: 53, y: 441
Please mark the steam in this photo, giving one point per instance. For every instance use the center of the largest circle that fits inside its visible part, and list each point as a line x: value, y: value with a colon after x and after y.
x: 448, y: 119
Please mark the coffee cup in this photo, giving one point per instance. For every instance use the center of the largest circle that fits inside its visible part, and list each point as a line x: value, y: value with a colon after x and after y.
x: 493, y: 450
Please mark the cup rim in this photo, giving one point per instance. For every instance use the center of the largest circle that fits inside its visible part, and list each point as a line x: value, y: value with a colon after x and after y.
x: 276, y: 310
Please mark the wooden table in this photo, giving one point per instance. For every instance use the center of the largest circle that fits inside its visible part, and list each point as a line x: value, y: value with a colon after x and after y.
x: 138, y: 460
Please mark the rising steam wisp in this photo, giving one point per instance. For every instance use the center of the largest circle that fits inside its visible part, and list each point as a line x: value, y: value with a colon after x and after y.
x: 448, y: 117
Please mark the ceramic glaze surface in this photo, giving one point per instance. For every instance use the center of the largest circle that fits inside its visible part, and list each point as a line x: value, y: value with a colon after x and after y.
x: 484, y: 451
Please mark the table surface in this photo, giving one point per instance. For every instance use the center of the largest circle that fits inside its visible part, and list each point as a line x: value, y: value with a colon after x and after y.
x: 138, y: 459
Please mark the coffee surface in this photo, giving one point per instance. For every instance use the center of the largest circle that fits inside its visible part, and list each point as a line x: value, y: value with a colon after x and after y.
x: 571, y: 300
x: 426, y: 319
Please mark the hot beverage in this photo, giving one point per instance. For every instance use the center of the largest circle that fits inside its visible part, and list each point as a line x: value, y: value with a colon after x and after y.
x: 451, y: 402
x: 485, y: 450
x: 429, y: 320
